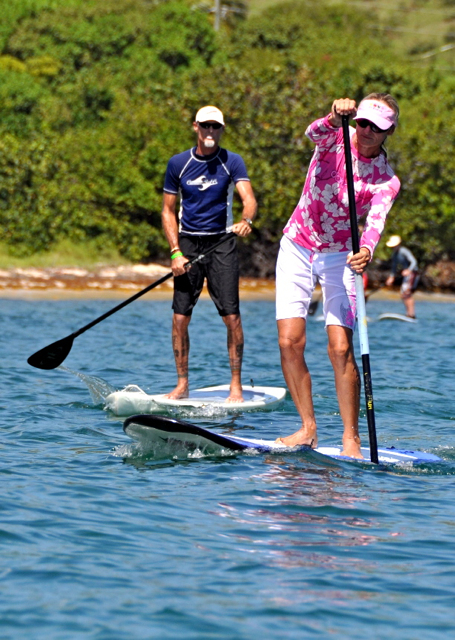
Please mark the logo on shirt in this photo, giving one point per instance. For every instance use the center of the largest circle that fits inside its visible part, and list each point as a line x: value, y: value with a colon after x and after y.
x: 202, y: 182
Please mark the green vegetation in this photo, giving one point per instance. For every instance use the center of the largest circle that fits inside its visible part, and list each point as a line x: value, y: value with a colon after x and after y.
x: 64, y: 254
x: 96, y: 95
x: 414, y: 29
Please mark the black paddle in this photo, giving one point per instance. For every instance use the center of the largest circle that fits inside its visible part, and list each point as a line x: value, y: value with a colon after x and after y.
x: 360, y: 297
x: 54, y: 354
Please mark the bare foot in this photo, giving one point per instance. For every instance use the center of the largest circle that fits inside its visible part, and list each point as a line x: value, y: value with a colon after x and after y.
x: 235, y: 394
x: 304, y: 435
x: 234, y: 398
x: 351, y: 448
x: 180, y: 391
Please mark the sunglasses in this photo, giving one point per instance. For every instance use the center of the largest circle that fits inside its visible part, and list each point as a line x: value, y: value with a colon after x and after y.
x: 207, y: 125
x: 366, y: 123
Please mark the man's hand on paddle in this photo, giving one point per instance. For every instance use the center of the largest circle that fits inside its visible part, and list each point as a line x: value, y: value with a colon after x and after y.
x: 360, y: 261
x: 242, y: 228
x: 341, y: 107
x: 178, y: 266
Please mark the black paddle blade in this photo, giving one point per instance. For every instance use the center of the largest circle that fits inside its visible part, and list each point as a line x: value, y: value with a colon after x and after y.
x: 53, y: 355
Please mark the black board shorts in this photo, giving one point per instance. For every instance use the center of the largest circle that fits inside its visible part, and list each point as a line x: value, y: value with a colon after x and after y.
x: 221, y: 268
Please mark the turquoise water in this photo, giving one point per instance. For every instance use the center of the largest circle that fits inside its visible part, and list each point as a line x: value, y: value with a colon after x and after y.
x: 100, y: 542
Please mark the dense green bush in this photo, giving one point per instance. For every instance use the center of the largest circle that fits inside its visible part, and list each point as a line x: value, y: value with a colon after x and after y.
x: 96, y: 95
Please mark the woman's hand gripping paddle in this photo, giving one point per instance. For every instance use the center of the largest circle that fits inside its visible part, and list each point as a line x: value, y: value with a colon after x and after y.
x: 54, y: 354
x: 360, y: 297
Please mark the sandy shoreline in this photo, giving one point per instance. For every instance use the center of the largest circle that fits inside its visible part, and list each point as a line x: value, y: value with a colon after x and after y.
x: 124, y: 281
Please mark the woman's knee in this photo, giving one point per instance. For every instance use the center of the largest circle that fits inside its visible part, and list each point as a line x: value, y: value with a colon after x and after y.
x: 291, y: 335
x: 289, y: 343
x: 339, y: 351
x: 340, y: 345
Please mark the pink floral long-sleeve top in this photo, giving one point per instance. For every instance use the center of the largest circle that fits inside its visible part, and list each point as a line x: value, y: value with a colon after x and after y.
x: 320, y: 221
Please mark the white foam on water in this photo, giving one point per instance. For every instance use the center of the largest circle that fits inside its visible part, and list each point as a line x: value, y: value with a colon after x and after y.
x: 98, y: 388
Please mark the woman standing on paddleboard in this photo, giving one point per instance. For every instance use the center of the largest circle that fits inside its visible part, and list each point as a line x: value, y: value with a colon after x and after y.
x: 317, y: 246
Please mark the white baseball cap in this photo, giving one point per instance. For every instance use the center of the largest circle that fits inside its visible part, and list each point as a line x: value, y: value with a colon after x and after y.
x: 393, y: 241
x: 209, y: 114
x: 378, y: 113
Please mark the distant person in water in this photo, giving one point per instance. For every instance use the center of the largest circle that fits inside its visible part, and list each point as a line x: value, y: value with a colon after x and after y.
x: 317, y: 246
x: 203, y: 179
x: 404, y: 265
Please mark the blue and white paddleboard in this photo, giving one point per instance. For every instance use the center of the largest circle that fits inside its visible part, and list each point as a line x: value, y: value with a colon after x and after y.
x: 396, y: 316
x: 133, y: 400
x: 153, y: 431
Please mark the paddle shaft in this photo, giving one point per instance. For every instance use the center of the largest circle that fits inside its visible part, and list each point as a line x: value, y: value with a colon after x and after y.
x: 54, y: 354
x: 360, y: 298
x: 149, y: 288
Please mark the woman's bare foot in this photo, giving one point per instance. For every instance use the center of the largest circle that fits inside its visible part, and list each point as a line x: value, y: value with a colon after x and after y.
x: 180, y: 391
x: 305, y: 435
x: 351, y: 447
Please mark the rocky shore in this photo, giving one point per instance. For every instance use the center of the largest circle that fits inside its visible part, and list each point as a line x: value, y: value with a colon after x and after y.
x: 110, y: 281
x: 116, y: 281
x: 103, y: 278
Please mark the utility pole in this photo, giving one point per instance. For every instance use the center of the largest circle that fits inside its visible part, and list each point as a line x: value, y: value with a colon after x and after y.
x: 217, y: 14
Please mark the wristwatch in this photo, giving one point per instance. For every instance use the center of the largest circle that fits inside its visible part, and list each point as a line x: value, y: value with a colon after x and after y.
x: 250, y: 222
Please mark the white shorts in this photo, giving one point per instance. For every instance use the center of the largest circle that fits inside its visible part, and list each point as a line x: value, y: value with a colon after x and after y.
x: 297, y: 272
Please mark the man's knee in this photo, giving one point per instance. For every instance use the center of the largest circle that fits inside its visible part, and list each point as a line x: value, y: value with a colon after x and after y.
x: 233, y: 321
x: 180, y: 322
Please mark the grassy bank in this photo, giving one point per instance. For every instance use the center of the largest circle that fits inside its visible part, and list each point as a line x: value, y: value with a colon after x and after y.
x: 65, y: 254
x: 416, y: 28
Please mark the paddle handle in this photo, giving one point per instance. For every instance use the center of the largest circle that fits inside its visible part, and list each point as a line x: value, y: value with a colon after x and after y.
x: 350, y: 185
x: 360, y: 297
x: 149, y: 288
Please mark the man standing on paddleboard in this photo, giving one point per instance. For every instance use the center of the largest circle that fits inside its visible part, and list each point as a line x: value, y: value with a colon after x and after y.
x: 317, y: 246
x: 404, y: 265
x: 204, y: 178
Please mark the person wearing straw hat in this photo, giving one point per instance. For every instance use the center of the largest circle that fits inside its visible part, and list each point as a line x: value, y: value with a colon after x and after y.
x: 204, y: 179
x: 317, y: 246
x: 404, y: 265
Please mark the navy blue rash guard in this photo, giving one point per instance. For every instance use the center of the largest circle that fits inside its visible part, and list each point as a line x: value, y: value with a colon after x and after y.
x: 403, y: 259
x: 206, y: 188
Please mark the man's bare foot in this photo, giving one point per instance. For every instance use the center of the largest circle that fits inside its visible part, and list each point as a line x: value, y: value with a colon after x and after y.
x: 235, y: 393
x: 235, y: 396
x: 351, y: 447
x: 180, y: 391
x: 304, y: 435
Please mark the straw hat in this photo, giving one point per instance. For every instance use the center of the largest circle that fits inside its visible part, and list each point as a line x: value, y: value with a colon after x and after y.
x: 393, y: 241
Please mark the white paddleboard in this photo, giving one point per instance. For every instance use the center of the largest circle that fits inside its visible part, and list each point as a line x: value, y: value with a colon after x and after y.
x: 396, y: 316
x: 133, y: 399
x: 177, y: 437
